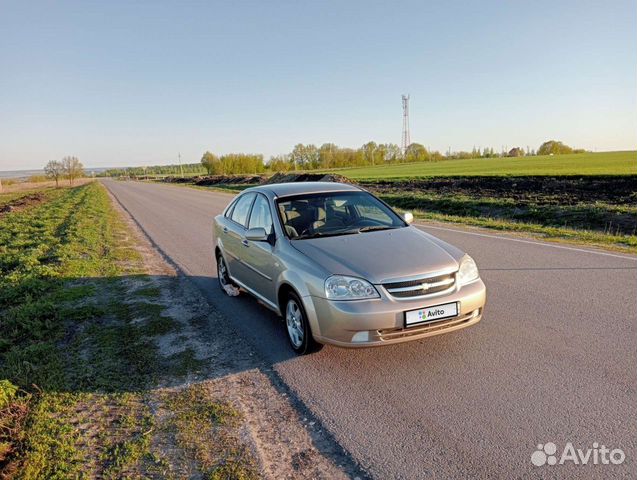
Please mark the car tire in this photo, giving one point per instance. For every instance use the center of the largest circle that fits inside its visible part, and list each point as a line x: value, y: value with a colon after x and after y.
x: 223, y: 276
x: 297, y: 326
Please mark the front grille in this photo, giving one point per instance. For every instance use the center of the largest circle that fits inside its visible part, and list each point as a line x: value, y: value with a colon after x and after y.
x: 422, y: 286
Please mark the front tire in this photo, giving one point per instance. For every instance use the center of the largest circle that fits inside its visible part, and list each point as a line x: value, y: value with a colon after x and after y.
x: 298, y: 327
x: 223, y: 276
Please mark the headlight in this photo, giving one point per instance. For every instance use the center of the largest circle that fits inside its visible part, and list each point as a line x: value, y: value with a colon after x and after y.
x: 468, y: 271
x: 340, y: 287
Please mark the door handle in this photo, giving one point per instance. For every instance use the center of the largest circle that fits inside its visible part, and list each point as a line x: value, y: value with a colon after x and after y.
x: 245, y: 243
x: 225, y: 229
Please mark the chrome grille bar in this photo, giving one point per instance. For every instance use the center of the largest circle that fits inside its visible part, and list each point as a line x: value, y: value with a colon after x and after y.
x: 423, y: 287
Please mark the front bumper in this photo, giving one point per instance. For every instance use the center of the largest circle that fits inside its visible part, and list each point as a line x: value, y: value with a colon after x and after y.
x: 381, y: 321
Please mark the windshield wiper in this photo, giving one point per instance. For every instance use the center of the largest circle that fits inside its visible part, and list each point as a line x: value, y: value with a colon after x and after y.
x: 324, y: 234
x: 371, y: 228
x: 351, y: 231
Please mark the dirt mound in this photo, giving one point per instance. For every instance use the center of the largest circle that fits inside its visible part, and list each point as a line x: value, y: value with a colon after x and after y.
x: 258, y: 179
x: 22, y: 203
x: 178, y: 179
x: 229, y: 180
x: 306, y: 177
x: 218, y: 179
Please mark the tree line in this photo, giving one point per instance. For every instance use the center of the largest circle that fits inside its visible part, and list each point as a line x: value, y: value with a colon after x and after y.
x: 331, y: 156
x: 328, y: 155
x: 176, y: 170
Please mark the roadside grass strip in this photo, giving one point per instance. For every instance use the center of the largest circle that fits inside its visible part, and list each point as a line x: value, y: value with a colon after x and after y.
x: 86, y: 338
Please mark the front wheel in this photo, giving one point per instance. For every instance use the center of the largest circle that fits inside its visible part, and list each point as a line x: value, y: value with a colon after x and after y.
x: 298, y: 327
x: 228, y: 287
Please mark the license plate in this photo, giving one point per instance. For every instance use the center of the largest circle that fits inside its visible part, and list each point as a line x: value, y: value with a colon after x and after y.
x: 431, y: 314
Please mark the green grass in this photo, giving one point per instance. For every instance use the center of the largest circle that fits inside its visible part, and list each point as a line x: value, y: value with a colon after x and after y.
x: 605, y: 163
x: 80, y: 328
x: 69, y: 236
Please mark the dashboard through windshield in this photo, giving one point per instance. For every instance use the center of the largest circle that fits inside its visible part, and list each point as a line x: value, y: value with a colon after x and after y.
x: 335, y: 213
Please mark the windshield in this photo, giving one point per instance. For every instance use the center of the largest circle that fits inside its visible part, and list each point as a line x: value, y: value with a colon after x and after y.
x: 335, y: 213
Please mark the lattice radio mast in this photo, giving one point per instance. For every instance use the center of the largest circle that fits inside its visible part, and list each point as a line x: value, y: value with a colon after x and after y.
x: 406, y: 141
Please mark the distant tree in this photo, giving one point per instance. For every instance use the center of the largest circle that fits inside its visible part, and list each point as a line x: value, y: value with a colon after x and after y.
x: 327, y: 155
x: 211, y: 163
x: 241, y: 163
x: 55, y: 170
x: 553, y: 147
x: 370, y: 153
x: 516, y: 152
x: 305, y: 157
x: 436, y: 156
x: 416, y: 153
x: 391, y: 152
x: 462, y: 155
x: 72, y: 168
x: 312, y: 156
x: 279, y: 163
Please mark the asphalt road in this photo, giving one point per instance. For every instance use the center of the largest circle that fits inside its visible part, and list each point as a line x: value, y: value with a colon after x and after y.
x: 553, y: 360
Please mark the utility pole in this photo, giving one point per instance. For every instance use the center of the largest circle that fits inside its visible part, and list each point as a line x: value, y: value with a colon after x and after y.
x: 406, y: 140
x: 181, y: 169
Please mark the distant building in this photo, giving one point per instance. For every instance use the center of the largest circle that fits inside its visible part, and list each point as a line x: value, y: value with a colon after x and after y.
x: 516, y: 152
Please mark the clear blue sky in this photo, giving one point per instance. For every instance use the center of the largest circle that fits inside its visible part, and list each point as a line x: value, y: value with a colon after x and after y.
x: 134, y: 83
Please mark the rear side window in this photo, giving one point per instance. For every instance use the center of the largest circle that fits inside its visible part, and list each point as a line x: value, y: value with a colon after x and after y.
x: 260, y: 216
x: 242, y: 209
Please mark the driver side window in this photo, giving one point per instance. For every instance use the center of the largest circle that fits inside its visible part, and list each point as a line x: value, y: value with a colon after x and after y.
x: 261, y: 216
x: 242, y: 209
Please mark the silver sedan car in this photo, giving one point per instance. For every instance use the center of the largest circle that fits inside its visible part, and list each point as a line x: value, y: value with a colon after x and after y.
x: 342, y: 267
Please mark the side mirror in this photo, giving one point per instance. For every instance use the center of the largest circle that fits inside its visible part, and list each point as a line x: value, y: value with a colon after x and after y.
x: 257, y: 234
x: 408, y: 217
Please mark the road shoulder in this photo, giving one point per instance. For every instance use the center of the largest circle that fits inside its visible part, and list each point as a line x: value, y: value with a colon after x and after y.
x: 285, y: 440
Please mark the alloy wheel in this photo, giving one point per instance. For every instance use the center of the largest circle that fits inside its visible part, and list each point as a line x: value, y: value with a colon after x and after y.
x: 222, y: 272
x: 294, y: 321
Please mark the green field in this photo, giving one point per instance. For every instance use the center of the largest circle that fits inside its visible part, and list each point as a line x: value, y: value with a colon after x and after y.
x: 605, y: 163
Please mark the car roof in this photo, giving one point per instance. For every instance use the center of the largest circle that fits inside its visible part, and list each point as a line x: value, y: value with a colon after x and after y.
x: 300, y: 188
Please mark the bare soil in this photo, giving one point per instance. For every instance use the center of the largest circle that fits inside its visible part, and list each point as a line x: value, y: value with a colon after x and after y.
x: 21, y: 203
x: 563, y: 190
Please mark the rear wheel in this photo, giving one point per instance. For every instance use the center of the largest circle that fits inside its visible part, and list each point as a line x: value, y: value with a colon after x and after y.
x: 298, y: 327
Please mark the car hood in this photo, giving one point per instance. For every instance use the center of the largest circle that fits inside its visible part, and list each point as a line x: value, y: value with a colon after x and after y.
x: 382, y: 256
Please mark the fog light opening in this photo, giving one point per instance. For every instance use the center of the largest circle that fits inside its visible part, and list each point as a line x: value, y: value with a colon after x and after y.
x: 360, y: 337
